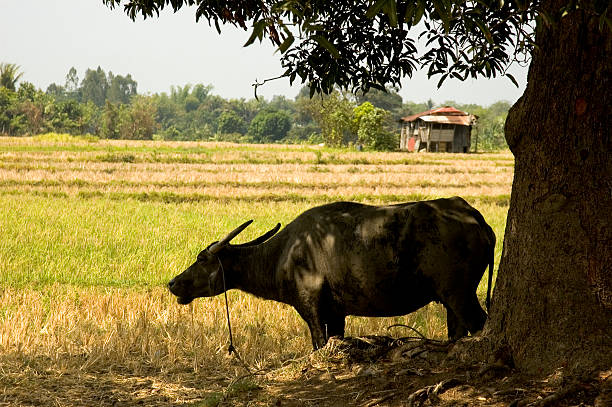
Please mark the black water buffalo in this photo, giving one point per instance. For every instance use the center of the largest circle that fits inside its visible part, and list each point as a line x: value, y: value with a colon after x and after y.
x: 347, y: 258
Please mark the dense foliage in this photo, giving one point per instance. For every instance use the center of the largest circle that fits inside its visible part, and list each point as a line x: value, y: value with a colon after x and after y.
x: 360, y: 45
x: 108, y: 106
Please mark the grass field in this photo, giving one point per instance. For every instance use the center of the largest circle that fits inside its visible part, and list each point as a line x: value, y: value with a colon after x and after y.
x: 92, y: 231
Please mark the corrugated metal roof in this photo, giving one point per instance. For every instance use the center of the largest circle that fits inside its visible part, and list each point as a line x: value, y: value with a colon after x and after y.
x: 413, y: 117
x: 460, y: 120
x: 448, y: 111
x: 439, y: 111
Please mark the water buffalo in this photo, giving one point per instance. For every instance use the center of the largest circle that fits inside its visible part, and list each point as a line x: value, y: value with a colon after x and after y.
x: 347, y: 258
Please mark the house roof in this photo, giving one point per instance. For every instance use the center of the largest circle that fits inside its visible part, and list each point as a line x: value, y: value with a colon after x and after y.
x: 460, y: 120
x: 444, y: 114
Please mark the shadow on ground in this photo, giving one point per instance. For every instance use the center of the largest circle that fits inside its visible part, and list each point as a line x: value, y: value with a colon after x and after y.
x: 369, y: 371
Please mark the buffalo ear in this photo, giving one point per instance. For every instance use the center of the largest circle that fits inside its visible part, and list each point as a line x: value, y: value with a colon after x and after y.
x: 214, y: 248
x: 215, y: 282
x: 204, y: 255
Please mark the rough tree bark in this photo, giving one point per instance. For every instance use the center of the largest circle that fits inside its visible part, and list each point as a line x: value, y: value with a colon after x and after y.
x: 552, y: 305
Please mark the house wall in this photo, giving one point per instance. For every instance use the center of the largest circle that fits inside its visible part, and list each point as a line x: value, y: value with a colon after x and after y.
x: 408, y: 130
x: 442, y: 134
x: 436, y: 136
x: 461, y: 139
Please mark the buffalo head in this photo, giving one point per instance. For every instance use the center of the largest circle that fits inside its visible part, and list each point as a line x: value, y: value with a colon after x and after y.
x: 204, y: 277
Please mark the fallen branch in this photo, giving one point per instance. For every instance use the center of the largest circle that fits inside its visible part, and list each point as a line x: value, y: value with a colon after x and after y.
x: 419, y: 397
x: 409, y: 327
x: 372, y: 403
x: 557, y: 396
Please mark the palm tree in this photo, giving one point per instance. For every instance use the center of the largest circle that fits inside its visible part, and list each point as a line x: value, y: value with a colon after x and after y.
x: 9, y: 75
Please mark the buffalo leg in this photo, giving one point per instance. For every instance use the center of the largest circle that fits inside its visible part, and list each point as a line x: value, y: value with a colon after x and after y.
x: 456, y: 329
x: 469, y: 313
x: 334, y: 326
x: 317, y: 329
x: 323, y: 328
x: 477, y: 316
x: 317, y: 334
x: 323, y: 316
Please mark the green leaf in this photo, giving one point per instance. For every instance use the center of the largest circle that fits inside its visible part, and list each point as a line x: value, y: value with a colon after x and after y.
x: 390, y: 9
x: 484, y: 29
x: 375, y: 8
x: 512, y: 79
x: 288, y: 6
x: 286, y: 43
x: 308, y: 27
x: 442, y: 79
x: 444, y: 13
x: 322, y: 41
x: 409, y: 13
x: 418, y: 14
x: 258, y: 30
x: 312, y: 90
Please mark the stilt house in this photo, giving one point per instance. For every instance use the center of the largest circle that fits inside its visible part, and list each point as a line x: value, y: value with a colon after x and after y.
x: 443, y: 129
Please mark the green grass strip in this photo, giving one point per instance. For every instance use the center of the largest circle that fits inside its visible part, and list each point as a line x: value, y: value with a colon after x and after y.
x: 171, y: 197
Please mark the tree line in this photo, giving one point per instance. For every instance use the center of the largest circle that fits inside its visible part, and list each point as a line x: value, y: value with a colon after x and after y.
x: 108, y: 106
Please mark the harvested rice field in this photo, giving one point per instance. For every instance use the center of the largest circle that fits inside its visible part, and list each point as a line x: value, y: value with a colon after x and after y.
x: 92, y: 231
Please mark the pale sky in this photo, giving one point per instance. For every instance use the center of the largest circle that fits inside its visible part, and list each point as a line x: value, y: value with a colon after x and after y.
x: 47, y: 37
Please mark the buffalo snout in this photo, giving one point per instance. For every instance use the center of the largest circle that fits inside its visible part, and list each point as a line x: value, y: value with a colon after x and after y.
x: 178, y: 289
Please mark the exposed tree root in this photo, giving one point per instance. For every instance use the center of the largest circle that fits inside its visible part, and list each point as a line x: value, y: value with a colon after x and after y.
x: 419, y: 397
x: 380, y: 400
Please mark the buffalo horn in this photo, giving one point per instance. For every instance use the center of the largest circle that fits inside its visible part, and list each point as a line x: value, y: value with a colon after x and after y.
x: 223, y: 242
x: 261, y: 238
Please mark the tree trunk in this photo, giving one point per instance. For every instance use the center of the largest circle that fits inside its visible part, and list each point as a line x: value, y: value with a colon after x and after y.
x: 552, y: 305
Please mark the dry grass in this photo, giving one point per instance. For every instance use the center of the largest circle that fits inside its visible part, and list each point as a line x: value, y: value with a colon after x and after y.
x: 67, y: 346
x: 90, y: 239
x: 144, y: 329
x: 220, y: 170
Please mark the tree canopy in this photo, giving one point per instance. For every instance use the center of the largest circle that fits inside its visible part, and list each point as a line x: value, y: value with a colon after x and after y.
x: 359, y: 45
x: 9, y: 75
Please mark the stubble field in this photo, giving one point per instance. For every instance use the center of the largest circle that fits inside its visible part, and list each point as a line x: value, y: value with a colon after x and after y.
x: 92, y: 231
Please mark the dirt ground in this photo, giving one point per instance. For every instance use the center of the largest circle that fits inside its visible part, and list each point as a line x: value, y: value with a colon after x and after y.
x: 370, y: 371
